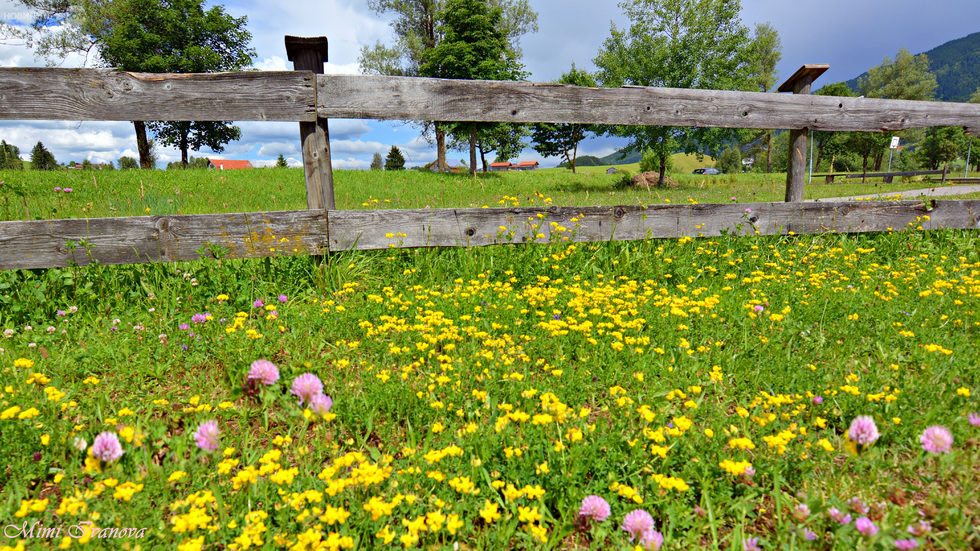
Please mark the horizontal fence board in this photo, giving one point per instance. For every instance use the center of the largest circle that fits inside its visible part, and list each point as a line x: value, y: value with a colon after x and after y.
x: 129, y: 240
x: 104, y: 94
x: 408, y: 98
x: 380, y: 229
x: 43, y: 243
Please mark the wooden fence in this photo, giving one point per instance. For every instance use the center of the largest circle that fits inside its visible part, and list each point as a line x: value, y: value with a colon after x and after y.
x: 309, y: 98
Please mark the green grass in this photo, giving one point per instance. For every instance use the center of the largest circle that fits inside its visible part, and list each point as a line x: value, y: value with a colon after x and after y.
x: 135, y: 193
x: 510, y: 380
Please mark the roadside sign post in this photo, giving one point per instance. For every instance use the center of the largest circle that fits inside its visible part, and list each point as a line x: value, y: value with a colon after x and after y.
x: 891, y: 149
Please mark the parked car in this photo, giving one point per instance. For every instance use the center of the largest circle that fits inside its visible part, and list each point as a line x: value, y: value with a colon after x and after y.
x: 706, y: 171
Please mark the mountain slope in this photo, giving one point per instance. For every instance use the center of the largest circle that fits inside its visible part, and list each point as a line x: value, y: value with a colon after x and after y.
x: 956, y: 65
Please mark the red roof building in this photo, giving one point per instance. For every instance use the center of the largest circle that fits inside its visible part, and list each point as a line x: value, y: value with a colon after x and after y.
x: 500, y: 166
x: 228, y: 164
x: 526, y: 165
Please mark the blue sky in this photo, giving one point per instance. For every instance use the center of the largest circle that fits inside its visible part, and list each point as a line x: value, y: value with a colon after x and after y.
x: 850, y: 35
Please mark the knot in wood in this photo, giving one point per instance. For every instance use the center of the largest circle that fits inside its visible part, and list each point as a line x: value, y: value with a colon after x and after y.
x: 619, y: 212
x: 162, y: 224
x: 470, y: 232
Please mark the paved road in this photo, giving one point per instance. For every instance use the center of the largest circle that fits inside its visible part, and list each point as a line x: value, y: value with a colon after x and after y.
x: 910, y: 194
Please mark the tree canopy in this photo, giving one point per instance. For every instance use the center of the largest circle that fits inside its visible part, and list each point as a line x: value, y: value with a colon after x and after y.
x: 395, y: 160
x: 561, y: 140
x: 907, y: 77
x: 473, y: 46
x: 764, y: 53
x: 42, y: 159
x: 678, y: 44
x: 176, y: 36
x: 10, y: 157
x: 417, y: 30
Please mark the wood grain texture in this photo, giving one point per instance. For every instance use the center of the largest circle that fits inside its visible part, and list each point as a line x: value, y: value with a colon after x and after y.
x: 129, y: 240
x: 379, y: 229
x: 107, y: 95
x: 42, y: 243
x: 407, y: 98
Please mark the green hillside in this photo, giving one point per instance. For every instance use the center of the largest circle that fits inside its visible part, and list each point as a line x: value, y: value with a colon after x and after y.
x: 956, y: 65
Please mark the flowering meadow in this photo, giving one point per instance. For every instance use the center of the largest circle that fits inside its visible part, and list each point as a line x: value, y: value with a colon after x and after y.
x: 789, y: 392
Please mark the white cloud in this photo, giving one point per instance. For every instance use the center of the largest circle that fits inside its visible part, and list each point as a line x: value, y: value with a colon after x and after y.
x: 351, y: 163
x: 274, y: 149
x: 352, y: 147
x: 274, y: 63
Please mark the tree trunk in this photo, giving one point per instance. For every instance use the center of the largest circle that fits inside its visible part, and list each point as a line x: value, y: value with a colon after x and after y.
x: 663, y: 169
x: 183, y: 149
x: 574, y: 156
x: 768, y: 151
x: 483, y: 158
x: 142, y: 145
x: 473, y: 151
x: 440, y: 148
x: 864, y: 167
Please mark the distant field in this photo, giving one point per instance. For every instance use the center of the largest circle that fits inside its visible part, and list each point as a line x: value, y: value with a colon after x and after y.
x: 134, y: 193
x: 683, y: 163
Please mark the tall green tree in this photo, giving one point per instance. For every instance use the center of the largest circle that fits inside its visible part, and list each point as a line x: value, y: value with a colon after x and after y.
x: 416, y: 25
x: 10, y: 157
x: 678, y: 44
x: 155, y: 36
x: 504, y: 139
x: 281, y: 161
x: 473, y: 47
x: 377, y: 161
x: 128, y: 163
x: 764, y: 53
x: 42, y: 159
x: 972, y: 142
x: 395, y: 160
x: 176, y: 36
x: 561, y: 140
x: 906, y: 77
x: 831, y: 144
x: 941, y: 146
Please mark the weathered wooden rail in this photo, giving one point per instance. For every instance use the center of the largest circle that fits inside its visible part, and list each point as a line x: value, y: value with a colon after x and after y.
x: 310, y: 98
x: 46, y: 243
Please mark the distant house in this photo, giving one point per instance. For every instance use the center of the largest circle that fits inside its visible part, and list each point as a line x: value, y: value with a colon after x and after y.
x: 228, y: 164
x: 526, y: 165
x: 612, y: 170
x: 496, y: 167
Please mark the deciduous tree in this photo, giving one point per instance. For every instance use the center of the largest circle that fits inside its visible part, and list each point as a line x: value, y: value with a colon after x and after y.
x: 416, y: 25
x: 907, y: 77
x: 128, y: 163
x: 678, y: 44
x: 176, y: 36
x: 473, y: 46
x: 831, y: 143
x: 10, y: 157
x: 764, y: 53
x: 561, y: 140
x: 155, y: 36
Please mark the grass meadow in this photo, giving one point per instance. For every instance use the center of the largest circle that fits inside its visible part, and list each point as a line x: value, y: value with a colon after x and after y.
x: 95, y: 194
x: 783, y: 392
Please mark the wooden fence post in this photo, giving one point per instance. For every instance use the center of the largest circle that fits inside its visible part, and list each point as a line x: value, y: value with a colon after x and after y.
x: 799, y: 83
x: 309, y: 54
